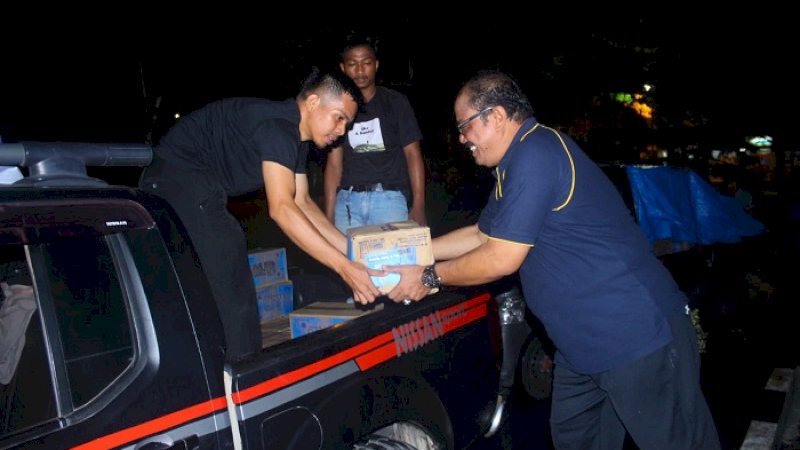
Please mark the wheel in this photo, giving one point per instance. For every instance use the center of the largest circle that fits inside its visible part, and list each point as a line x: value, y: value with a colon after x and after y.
x: 536, y: 369
x: 378, y: 442
x: 398, y: 436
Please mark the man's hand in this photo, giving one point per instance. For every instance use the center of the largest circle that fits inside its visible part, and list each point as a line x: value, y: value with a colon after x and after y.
x: 357, y: 276
x: 410, y: 286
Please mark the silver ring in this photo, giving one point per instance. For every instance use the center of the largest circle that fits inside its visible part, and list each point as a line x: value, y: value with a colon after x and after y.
x: 406, y: 301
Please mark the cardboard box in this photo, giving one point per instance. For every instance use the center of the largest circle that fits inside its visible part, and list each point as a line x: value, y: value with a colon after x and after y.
x: 390, y: 244
x: 275, y: 331
x: 275, y: 300
x: 268, y: 266
x: 320, y: 315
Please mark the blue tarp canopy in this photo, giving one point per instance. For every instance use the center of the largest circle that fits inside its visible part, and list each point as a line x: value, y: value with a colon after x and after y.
x: 676, y: 204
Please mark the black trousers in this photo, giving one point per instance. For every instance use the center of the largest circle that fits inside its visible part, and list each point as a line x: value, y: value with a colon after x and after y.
x: 656, y: 399
x: 221, y: 245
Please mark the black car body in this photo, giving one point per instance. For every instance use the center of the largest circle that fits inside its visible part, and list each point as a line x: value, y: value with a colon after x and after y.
x: 119, y: 343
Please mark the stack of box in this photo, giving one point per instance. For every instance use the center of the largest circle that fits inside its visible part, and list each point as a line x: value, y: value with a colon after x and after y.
x: 394, y: 243
x: 274, y: 290
x: 374, y: 246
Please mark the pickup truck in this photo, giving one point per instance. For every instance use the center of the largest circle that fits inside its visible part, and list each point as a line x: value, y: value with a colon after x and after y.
x: 109, y: 337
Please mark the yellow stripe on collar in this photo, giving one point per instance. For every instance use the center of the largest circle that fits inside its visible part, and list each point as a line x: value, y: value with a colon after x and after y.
x: 529, y: 131
x: 569, y: 156
x: 498, y: 185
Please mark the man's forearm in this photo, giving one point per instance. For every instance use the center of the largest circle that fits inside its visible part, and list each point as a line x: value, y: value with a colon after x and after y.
x: 489, y: 261
x: 304, y: 232
x: 457, y: 242
x: 416, y: 178
x: 330, y: 198
x: 323, y: 225
x: 333, y: 177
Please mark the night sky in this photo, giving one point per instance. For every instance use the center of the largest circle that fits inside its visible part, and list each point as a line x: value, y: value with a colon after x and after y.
x: 731, y: 76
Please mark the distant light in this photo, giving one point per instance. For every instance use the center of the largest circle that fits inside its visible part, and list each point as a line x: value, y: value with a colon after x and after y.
x: 760, y: 141
x: 663, y: 154
x: 177, y: 116
x: 648, y: 87
x: 623, y: 97
x: 742, y: 149
x: 715, y: 153
x: 643, y: 109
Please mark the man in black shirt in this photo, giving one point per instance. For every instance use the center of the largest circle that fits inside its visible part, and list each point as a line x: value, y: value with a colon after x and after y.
x: 377, y: 174
x: 236, y: 145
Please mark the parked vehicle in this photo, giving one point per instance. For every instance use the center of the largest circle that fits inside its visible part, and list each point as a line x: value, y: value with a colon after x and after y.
x: 110, y: 338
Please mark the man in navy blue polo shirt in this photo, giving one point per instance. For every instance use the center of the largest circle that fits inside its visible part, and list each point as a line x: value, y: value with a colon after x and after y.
x: 626, y: 358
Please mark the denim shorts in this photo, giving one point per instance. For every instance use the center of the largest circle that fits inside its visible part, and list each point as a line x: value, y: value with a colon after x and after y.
x: 356, y: 209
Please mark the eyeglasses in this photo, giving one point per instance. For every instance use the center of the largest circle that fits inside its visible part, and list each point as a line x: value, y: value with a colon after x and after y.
x: 460, y: 126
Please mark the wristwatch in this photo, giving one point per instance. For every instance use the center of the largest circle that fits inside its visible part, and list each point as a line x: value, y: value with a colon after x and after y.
x: 429, y: 277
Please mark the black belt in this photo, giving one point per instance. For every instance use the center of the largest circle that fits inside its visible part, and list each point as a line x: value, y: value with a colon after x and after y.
x: 372, y: 187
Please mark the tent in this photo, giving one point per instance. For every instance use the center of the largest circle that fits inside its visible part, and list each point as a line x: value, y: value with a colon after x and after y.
x: 676, y: 204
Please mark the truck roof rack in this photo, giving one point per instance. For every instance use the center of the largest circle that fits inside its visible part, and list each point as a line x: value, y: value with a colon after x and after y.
x: 65, y: 163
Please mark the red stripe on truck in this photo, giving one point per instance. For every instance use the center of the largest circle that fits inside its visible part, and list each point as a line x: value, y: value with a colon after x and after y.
x: 368, y: 354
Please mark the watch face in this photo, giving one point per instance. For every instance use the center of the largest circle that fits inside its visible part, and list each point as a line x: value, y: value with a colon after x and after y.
x: 429, y: 278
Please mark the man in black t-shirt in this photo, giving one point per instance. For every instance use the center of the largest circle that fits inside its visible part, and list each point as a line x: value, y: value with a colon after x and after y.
x: 236, y: 145
x: 377, y: 172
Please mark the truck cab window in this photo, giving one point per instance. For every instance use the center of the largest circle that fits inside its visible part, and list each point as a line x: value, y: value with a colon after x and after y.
x: 78, y: 298
x: 92, y: 317
x: 26, y: 394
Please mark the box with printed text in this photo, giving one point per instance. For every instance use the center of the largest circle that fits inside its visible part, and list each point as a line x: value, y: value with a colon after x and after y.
x: 275, y: 300
x: 268, y: 266
x: 393, y: 243
x: 321, y: 315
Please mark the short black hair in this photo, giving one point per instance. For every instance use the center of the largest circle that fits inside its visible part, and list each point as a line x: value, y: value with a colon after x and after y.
x: 354, y: 39
x: 333, y: 82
